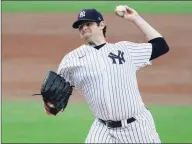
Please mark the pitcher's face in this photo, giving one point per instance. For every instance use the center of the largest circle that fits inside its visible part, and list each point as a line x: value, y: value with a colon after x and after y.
x: 90, y: 30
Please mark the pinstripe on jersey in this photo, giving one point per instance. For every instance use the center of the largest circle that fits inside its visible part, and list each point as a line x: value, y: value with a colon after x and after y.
x: 107, y: 77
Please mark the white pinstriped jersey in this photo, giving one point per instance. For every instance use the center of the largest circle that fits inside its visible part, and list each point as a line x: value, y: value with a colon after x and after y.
x: 107, y: 77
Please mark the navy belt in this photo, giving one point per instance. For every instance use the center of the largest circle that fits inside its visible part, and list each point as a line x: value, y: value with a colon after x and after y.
x: 116, y: 124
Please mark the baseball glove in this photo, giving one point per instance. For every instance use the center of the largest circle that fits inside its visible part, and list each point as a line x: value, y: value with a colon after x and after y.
x: 55, y: 90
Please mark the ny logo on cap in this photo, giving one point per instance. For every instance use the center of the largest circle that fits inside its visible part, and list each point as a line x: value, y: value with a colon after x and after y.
x: 82, y: 14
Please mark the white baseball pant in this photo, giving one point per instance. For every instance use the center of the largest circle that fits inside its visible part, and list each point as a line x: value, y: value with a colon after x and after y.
x: 140, y: 131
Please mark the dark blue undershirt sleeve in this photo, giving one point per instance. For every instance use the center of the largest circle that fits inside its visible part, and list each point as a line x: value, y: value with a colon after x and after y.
x: 159, y: 47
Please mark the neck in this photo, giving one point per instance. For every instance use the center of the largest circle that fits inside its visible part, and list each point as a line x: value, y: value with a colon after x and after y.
x: 96, y: 42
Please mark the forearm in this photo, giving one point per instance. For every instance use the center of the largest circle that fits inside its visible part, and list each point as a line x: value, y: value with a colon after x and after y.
x: 147, y: 30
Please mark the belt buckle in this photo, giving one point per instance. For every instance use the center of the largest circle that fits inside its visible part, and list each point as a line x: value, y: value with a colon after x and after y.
x: 108, y: 123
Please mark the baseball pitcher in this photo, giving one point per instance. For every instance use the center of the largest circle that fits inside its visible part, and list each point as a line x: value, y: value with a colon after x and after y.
x: 106, y: 73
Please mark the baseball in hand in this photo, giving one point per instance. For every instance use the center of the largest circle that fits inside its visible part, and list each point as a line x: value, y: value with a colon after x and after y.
x: 120, y: 10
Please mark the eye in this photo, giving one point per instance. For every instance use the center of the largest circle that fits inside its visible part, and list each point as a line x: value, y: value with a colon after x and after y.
x: 88, y: 24
x: 80, y: 27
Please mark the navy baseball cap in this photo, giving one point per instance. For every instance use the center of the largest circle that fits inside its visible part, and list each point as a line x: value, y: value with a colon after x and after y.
x: 91, y: 15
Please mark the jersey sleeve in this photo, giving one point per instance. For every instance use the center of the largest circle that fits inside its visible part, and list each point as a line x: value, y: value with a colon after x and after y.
x: 140, y: 53
x: 65, y: 69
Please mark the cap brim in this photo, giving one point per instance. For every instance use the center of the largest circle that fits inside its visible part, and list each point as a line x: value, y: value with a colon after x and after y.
x: 77, y: 23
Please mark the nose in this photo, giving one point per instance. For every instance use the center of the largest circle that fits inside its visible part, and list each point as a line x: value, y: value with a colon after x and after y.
x: 85, y: 27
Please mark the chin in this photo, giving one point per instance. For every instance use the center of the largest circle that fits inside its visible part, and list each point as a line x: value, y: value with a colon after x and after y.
x: 87, y: 37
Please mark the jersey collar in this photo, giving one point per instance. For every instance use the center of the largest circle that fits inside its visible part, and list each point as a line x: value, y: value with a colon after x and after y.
x: 99, y: 46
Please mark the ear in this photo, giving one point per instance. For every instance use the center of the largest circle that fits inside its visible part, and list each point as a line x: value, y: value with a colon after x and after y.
x: 102, y: 25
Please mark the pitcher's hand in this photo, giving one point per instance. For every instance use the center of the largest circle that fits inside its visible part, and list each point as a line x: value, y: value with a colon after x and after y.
x: 128, y: 13
x: 48, y: 107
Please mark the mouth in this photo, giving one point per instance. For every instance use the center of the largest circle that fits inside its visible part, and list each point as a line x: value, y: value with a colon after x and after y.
x: 83, y: 33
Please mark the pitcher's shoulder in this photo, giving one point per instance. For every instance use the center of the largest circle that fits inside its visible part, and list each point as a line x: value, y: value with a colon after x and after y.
x: 76, y: 52
x: 124, y: 42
